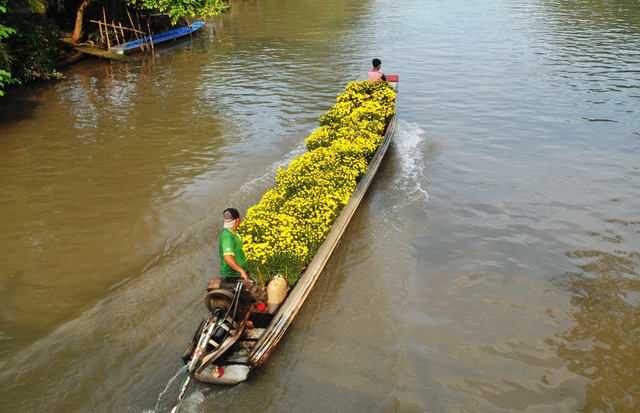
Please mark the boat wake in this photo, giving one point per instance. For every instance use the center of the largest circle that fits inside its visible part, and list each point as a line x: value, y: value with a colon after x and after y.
x: 179, y: 373
x: 251, y: 191
x: 409, y: 143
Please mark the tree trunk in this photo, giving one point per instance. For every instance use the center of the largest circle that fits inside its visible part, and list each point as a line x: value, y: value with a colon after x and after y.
x: 77, y: 31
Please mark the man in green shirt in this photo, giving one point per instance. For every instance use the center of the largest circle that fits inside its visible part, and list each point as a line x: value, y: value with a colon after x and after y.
x: 233, y: 263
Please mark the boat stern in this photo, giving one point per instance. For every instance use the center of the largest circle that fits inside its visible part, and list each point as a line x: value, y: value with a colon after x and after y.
x: 227, y: 375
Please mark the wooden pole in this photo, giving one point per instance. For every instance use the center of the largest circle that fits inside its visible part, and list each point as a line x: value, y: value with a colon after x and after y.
x: 141, y: 44
x: 115, y: 27
x: 144, y: 42
x: 115, y: 31
x: 101, y: 36
x: 104, y: 16
x: 150, y: 35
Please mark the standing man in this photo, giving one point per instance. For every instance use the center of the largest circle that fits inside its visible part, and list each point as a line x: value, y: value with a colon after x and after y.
x: 233, y: 263
x: 375, y: 75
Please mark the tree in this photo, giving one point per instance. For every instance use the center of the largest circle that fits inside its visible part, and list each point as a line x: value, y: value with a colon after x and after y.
x: 176, y: 9
x: 5, y: 57
x: 183, y: 8
x: 12, y: 57
x: 77, y: 31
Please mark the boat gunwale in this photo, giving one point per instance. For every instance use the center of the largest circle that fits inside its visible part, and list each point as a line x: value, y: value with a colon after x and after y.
x: 289, y: 309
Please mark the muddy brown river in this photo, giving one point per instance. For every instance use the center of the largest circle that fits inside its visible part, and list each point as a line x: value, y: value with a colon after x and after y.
x: 494, y: 265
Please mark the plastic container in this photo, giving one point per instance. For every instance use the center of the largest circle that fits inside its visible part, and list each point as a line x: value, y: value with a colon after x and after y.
x: 276, y: 293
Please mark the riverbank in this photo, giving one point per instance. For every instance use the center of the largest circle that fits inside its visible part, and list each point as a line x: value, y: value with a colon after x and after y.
x: 35, y: 44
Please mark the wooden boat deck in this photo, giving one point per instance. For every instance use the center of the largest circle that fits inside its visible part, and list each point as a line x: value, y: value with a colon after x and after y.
x: 103, y: 53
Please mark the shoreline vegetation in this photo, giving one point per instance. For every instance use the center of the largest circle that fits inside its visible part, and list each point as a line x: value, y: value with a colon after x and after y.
x: 284, y: 230
x: 37, y: 40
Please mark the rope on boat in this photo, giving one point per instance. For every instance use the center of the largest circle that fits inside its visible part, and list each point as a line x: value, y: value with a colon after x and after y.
x: 202, y: 345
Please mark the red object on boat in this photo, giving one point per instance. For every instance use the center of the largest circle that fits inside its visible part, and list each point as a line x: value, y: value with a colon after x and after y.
x: 392, y: 78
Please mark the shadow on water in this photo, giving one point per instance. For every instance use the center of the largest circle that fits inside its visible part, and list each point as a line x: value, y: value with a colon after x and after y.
x: 21, y: 102
x: 604, y: 344
x: 16, y: 107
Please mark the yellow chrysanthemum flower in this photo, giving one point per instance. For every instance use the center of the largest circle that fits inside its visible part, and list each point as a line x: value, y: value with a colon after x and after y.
x: 284, y: 230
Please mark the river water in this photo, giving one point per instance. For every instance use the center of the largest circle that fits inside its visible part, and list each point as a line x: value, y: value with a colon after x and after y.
x: 494, y: 265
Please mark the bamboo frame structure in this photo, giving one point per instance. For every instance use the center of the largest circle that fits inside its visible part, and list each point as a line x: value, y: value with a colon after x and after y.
x: 103, y: 25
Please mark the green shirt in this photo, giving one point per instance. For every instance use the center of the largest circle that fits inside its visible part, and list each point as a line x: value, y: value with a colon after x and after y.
x: 231, y: 244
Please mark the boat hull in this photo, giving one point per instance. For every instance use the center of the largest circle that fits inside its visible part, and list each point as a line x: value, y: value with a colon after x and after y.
x: 256, y: 343
x: 140, y: 44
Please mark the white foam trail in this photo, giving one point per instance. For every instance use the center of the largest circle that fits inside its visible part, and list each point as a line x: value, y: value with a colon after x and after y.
x: 195, y: 399
x: 266, y: 179
x: 179, y: 373
x: 409, y: 142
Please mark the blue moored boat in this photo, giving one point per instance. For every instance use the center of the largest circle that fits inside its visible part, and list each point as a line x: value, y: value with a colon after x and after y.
x: 157, y: 38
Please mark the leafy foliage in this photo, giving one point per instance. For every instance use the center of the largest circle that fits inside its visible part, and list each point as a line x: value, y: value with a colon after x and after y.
x: 284, y: 230
x: 34, y: 47
x: 182, y: 8
x: 5, y: 57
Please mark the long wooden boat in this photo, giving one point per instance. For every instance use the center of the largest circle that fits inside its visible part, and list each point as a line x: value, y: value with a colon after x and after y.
x: 157, y: 38
x: 248, y: 333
